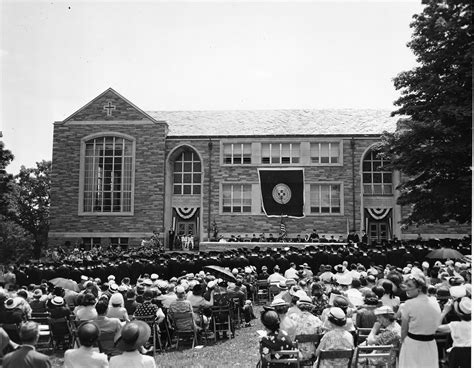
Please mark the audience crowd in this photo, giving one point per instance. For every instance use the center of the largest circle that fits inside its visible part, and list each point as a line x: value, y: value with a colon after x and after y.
x: 334, y: 291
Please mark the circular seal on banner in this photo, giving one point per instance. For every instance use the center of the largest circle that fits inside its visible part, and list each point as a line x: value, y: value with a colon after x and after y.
x: 281, y: 193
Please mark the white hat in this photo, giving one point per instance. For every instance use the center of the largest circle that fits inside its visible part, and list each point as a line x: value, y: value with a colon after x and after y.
x: 278, y: 302
x: 301, y: 294
x: 464, y: 305
x: 345, y: 279
x: 457, y: 291
x: 180, y: 289
x: 147, y: 282
x: 57, y: 300
x: 384, y: 309
x: 12, y: 303
x: 304, y: 299
x: 425, y: 265
x: 84, y: 278
x: 111, y: 277
x: 154, y: 276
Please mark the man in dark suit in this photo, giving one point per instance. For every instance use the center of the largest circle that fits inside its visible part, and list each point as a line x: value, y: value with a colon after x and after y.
x: 26, y: 356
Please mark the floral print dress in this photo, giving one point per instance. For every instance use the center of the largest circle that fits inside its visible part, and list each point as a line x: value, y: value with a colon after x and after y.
x: 273, y: 342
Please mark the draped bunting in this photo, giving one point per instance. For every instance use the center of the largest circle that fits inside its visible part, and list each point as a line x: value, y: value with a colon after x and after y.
x: 378, y: 213
x: 186, y: 212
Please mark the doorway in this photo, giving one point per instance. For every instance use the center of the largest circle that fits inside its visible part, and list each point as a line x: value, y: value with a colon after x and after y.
x: 378, y: 232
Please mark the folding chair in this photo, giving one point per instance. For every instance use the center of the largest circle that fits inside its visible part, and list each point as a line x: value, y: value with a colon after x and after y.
x: 107, y: 344
x: 262, y: 292
x: 13, y: 331
x: 277, y: 358
x: 374, y: 356
x: 155, y: 332
x: 184, y: 326
x: 236, y: 312
x: 363, y: 333
x: 221, y: 321
x: 311, y: 338
x: 60, y: 332
x: 442, y: 341
x: 336, y: 354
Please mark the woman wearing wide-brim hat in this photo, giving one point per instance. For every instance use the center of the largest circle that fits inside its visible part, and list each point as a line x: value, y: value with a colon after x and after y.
x: 134, y: 336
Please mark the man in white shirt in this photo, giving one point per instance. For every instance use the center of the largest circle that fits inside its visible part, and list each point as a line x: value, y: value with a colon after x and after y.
x: 291, y: 273
x: 86, y: 356
x: 276, y: 276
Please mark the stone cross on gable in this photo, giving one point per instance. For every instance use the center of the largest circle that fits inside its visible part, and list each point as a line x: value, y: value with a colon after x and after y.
x: 109, y: 108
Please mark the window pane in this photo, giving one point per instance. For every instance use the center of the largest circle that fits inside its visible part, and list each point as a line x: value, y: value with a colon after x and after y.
x: 188, y: 167
x: 197, y: 178
x: 387, y: 178
x: 186, y: 189
x: 177, y: 178
x: 186, y: 178
x: 196, y: 189
x: 177, y: 189
x: 197, y: 166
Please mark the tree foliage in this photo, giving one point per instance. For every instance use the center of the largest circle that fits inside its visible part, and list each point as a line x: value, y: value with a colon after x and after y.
x: 432, y: 145
x: 31, y: 201
x: 6, y: 179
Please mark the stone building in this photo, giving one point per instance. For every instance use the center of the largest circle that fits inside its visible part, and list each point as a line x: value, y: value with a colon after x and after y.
x: 120, y: 173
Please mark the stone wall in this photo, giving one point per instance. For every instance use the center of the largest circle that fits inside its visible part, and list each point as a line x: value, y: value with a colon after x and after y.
x: 149, y: 181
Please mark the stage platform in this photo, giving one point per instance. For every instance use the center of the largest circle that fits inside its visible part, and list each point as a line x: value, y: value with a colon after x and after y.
x: 221, y: 247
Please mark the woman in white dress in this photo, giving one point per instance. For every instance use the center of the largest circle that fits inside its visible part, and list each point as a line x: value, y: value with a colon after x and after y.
x: 420, y: 319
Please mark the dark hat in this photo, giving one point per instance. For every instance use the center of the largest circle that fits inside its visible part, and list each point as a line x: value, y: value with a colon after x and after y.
x: 443, y: 293
x: 148, y: 294
x: 134, y: 334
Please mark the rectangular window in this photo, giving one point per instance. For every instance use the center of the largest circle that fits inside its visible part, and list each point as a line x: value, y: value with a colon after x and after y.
x: 326, y: 153
x: 236, y: 198
x: 280, y: 153
x: 237, y: 153
x: 89, y: 242
x: 107, y: 185
x: 122, y: 242
x: 325, y: 198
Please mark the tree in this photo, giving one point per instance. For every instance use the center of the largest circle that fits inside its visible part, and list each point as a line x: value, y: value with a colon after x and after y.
x: 31, y: 201
x: 432, y: 144
x: 6, y: 180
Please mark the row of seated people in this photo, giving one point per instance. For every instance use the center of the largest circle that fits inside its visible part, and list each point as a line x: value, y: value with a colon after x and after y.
x: 341, y: 316
x: 165, y: 292
x: 297, y: 238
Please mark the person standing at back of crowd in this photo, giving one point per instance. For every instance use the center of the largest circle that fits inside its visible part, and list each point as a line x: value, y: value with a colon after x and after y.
x: 420, y: 319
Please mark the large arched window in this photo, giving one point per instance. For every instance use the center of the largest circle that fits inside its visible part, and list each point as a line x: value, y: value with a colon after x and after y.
x: 108, y: 172
x: 187, y: 173
x: 377, y: 179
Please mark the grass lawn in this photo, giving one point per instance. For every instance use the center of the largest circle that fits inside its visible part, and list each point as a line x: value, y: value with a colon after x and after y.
x: 241, y: 351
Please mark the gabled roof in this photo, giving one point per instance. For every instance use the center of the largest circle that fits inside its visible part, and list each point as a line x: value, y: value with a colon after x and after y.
x: 109, y: 106
x: 277, y: 122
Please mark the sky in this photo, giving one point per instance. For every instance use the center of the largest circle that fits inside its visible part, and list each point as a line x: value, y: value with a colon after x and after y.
x: 56, y: 56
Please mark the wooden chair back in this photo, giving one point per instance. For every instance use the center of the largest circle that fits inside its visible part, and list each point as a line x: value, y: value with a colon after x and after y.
x: 381, y: 354
x: 290, y: 358
x: 336, y: 354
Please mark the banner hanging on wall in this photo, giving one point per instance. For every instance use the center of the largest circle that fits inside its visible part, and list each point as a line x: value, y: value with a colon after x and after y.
x: 282, y: 192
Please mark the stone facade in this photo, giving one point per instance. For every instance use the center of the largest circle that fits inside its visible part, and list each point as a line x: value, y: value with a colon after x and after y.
x: 154, y: 203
